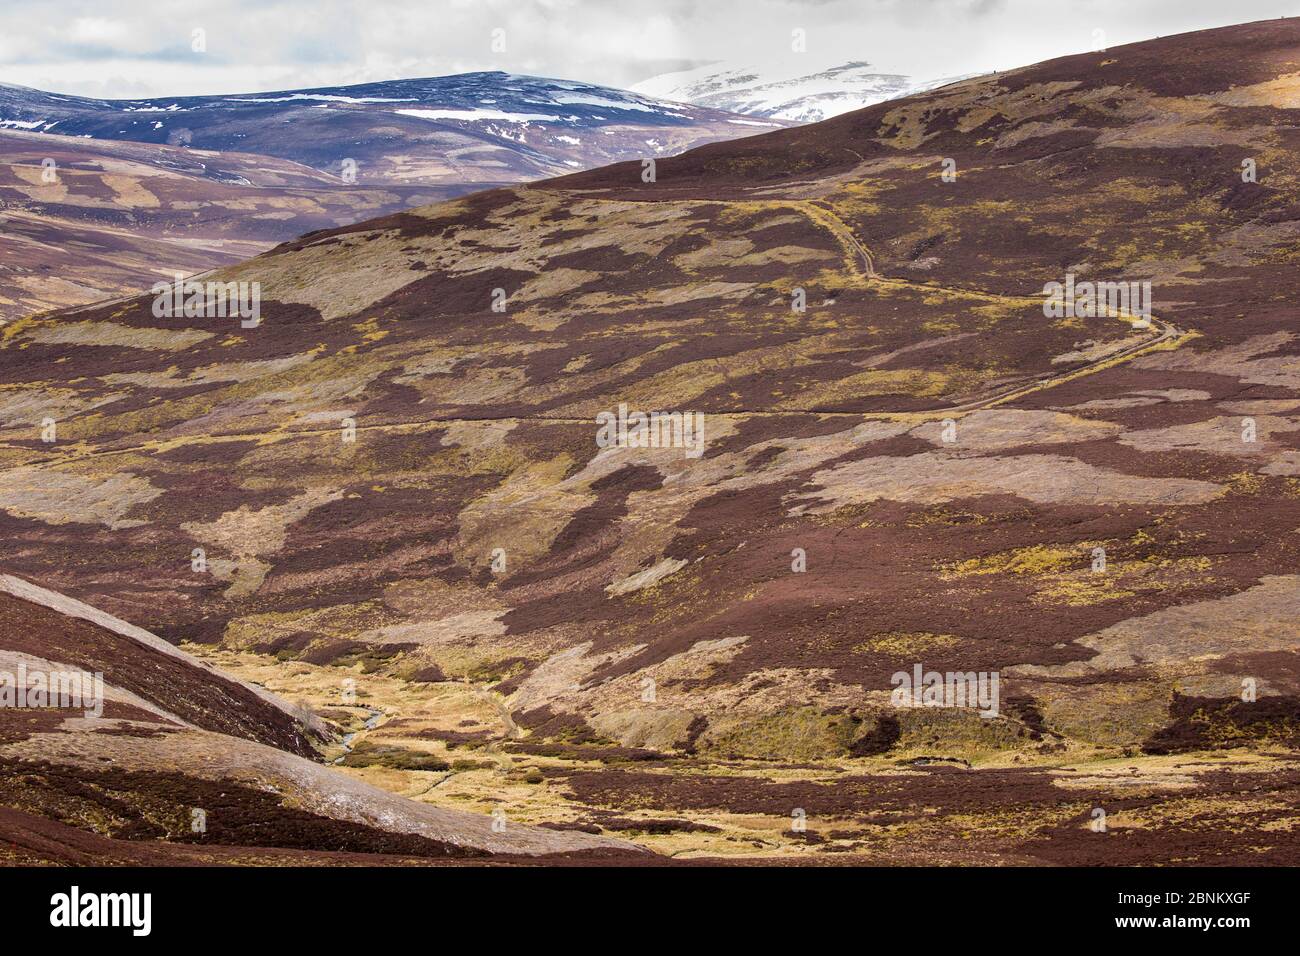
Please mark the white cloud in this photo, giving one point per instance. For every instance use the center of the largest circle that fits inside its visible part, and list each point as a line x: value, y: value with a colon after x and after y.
x: 142, y: 47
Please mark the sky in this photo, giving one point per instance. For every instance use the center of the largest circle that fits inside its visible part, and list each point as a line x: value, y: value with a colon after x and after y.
x: 139, y: 48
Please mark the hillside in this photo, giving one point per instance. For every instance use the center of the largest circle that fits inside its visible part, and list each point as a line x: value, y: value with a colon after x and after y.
x: 109, y: 218
x: 99, y: 198
x: 395, y: 484
x: 172, y: 736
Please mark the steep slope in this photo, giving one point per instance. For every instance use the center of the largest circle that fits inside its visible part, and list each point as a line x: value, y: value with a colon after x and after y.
x: 43, y: 625
x: 482, y: 128
x: 927, y: 467
x: 170, y: 736
x: 794, y: 92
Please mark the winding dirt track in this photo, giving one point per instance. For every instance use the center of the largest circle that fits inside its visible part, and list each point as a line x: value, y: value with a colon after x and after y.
x: 1168, y: 336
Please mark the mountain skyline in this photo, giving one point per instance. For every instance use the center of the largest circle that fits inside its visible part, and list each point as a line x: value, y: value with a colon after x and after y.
x: 115, y: 48
x: 521, y: 126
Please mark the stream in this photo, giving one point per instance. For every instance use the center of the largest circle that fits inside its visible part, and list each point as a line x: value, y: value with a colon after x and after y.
x: 371, y: 723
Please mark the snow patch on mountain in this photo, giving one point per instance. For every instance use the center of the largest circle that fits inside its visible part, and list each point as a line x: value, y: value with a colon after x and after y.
x: 479, y: 115
x: 789, y: 90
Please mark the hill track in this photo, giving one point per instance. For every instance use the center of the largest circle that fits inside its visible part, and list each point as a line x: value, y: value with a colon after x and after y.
x: 1167, y: 336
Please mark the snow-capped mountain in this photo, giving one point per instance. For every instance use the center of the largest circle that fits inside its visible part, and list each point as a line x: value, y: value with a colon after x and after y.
x: 785, y: 91
x: 480, y: 128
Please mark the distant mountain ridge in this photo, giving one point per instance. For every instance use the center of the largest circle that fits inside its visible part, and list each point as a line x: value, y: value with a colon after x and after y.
x: 487, y: 128
x: 790, y: 92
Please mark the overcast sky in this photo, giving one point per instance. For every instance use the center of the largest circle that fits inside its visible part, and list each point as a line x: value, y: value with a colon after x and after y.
x: 135, y: 48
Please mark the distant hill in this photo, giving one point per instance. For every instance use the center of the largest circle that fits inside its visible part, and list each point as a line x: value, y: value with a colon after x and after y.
x: 481, y: 128
x: 110, y: 218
